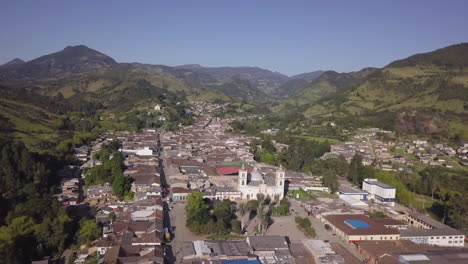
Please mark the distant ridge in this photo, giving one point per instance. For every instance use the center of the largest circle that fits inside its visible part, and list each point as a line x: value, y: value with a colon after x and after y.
x: 70, y: 60
x: 308, y: 76
x: 14, y: 61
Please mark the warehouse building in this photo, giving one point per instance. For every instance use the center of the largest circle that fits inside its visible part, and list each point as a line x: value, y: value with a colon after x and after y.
x: 357, y: 227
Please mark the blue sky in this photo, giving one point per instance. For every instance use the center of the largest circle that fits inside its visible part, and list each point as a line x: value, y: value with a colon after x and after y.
x: 286, y: 36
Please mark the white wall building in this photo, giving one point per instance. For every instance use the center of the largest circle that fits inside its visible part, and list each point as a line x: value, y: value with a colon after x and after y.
x: 257, y: 183
x: 380, y: 192
x: 145, y: 151
x: 425, y: 230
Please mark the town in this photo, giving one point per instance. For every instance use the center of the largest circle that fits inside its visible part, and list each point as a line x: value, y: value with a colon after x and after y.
x: 274, y: 215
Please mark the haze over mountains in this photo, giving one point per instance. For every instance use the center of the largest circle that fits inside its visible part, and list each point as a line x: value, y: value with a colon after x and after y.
x: 81, y: 59
x: 425, y: 93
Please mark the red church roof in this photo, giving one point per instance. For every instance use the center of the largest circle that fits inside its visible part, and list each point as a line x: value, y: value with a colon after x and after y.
x: 230, y: 170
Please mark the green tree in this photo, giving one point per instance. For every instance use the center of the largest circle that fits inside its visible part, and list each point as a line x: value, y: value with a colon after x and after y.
x: 330, y: 180
x: 242, y: 209
x: 121, y: 185
x: 89, y: 231
x: 236, y: 226
x: 17, y: 240
x: 92, y: 259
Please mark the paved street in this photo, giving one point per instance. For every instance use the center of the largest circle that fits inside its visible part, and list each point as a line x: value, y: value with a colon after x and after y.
x: 181, y: 233
x: 285, y: 226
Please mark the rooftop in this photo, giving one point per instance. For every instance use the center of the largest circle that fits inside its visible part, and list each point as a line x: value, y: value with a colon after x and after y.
x: 412, y: 232
x: 428, y: 220
x: 380, y: 248
x: 380, y: 184
x: 363, y: 225
x: 267, y: 243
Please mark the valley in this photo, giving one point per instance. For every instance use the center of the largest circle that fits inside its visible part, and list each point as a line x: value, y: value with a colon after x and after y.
x: 184, y: 136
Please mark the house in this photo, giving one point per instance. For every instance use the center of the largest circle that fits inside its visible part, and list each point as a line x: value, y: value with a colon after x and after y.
x: 374, y: 251
x: 322, y: 251
x: 271, y: 249
x: 145, y: 183
x: 100, y: 194
x: 180, y: 194
x: 134, y: 254
x: 219, y: 251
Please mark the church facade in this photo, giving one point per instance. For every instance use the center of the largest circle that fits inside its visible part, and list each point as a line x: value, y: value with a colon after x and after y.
x: 250, y: 185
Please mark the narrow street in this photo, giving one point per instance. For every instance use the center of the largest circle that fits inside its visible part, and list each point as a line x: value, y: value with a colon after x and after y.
x: 181, y: 232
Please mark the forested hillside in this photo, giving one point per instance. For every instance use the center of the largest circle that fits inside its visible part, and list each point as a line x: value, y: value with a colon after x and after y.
x: 423, y: 94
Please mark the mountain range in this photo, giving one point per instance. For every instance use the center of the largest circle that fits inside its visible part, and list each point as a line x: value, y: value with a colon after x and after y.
x: 422, y: 94
x: 233, y: 81
x: 425, y: 93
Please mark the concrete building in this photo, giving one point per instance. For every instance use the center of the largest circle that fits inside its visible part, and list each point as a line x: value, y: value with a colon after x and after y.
x: 322, y: 252
x: 271, y: 249
x: 425, y: 230
x: 346, y: 191
x: 380, y: 192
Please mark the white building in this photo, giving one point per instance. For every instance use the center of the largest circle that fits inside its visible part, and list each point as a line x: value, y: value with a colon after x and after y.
x: 380, y: 192
x: 251, y: 184
x: 425, y: 230
x: 145, y: 151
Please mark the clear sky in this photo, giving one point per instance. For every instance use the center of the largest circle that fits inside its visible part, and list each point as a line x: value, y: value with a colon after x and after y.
x: 286, y: 36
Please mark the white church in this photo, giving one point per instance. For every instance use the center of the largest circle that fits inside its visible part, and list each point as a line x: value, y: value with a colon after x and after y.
x: 251, y: 184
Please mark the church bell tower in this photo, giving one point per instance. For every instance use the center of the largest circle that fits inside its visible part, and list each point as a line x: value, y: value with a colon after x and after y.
x: 280, y: 177
x: 242, y: 176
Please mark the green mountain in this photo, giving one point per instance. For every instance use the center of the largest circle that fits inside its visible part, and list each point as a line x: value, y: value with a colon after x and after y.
x: 308, y: 76
x: 71, y: 60
x: 264, y: 80
x: 423, y: 94
x: 239, y: 87
x: 305, y: 94
x: 85, y: 88
x: 331, y: 82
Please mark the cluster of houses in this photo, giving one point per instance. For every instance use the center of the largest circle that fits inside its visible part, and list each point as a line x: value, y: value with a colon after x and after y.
x: 252, y: 250
x: 133, y: 230
x: 70, y: 185
x: 436, y: 154
x: 260, y: 249
x: 392, y: 156
x: 203, y: 157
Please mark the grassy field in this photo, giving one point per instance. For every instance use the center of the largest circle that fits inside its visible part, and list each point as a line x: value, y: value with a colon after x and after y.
x: 324, y: 195
x: 30, y: 124
x: 319, y: 139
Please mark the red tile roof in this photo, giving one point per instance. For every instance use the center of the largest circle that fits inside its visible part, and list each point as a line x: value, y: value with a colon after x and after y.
x: 228, y: 170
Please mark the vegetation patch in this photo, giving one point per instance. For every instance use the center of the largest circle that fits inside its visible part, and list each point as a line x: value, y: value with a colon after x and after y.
x: 305, y: 225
